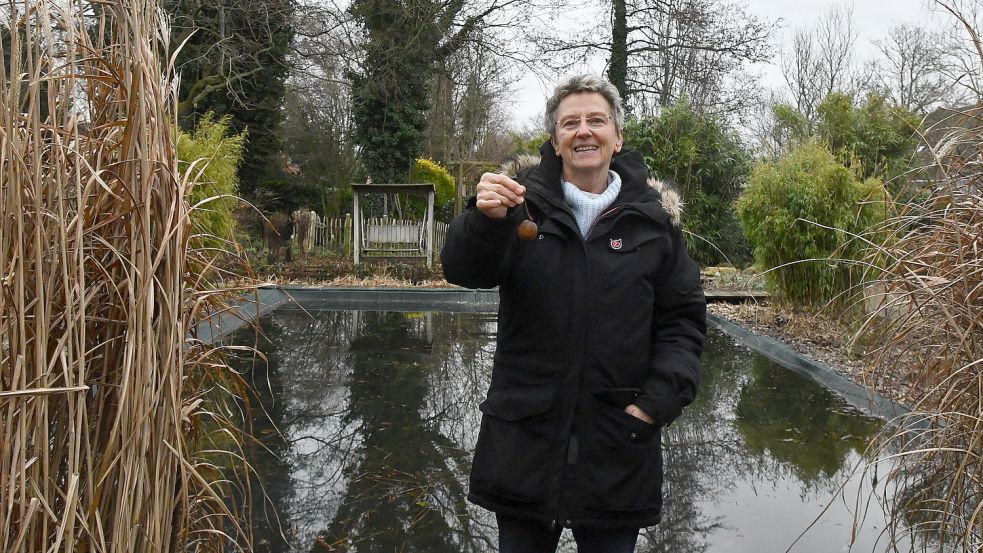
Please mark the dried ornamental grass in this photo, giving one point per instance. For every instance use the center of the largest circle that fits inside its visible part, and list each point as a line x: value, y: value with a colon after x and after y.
x: 929, y: 304
x: 102, y: 420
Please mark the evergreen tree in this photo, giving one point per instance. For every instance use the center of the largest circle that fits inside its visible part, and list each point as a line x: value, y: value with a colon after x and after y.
x: 390, y: 91
x: 233, y: 63
x: 405, y: 41
x: 618, y: 60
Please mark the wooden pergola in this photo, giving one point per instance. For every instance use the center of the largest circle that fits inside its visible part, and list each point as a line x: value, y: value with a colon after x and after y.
x: 393, y: 239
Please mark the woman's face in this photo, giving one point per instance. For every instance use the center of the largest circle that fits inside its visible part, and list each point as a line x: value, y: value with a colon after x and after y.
x: 585, y: 150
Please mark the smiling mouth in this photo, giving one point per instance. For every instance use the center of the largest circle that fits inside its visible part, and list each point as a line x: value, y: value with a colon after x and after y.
x: 582, y: 149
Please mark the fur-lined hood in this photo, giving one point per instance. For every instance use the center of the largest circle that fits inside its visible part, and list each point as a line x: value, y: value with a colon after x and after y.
x: 672, y: 202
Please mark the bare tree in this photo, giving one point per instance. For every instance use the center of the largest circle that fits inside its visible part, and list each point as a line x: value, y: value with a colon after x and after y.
x: 799, y: 67
x: 318, y: 124
x: 909, y: 72
x: 775, y: 127
x: 666, y: 50
x: 468, y: 94
x: 821, y: 60
x: 227, y: 47
x: 961, y: 49
x: 836, y: 35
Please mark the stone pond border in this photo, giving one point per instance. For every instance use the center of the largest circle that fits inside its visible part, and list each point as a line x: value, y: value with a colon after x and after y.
x: 255, y: 305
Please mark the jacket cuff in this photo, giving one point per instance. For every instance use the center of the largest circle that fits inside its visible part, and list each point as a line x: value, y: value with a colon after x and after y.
x: 656, y: 407
x: 491, y: 230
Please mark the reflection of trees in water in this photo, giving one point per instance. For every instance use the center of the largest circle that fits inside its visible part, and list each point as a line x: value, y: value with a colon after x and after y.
x: 380, y: 415
x: 268, y: 455
x: 381, y: 419
x: 800, y: 425
x: 702, y: 455
x: 751, y: 421
x: 310, y: 394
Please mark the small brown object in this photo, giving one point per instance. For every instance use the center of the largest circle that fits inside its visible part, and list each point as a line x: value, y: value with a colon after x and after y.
x: 528, y: 230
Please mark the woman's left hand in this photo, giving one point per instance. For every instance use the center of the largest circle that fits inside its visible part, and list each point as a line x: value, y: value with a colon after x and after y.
x: 636, y: 412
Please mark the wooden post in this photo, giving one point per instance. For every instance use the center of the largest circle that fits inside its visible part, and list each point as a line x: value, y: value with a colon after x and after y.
x: 346, y: 236
x: 430, y: 222
x: 356, y: 227
x: 459, y: 189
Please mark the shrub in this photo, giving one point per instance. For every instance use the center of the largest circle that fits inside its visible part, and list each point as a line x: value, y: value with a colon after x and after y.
x: 715, y: 235
x: 799, y: 214
x: 211, y: 159
x: 709, y: 164
x: 428, y: 170
x: 872, y: 137
x: 525, y: 144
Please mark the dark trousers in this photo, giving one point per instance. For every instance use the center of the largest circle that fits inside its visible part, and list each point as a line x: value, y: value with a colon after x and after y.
x: 522, y: 536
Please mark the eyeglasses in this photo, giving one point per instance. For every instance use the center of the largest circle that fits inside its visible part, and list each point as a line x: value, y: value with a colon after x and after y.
x: 594, y: 122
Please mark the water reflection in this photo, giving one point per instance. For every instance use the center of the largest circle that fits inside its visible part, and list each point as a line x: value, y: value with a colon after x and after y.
x: 377, y: 416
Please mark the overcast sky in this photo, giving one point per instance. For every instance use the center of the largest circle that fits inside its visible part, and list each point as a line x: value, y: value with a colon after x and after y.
x: 872, y: 18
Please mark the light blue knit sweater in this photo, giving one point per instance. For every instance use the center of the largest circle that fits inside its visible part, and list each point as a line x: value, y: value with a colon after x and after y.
x: 586, y: 206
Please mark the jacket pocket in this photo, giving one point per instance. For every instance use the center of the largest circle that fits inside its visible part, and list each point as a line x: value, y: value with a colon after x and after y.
x: 622, y: 459
x: 515, y: 445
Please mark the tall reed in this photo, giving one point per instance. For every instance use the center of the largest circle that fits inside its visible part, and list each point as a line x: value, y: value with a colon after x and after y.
x: 102, y: 422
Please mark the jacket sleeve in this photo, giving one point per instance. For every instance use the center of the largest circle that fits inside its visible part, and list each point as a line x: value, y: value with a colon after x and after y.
x: 678, y: 334
x: 475, y: 250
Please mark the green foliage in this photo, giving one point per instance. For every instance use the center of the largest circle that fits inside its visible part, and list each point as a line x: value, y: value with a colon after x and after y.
x: 715, y: 234
x: 403, y: 46
x: 791, y: 126
x: 212, y: 159
x: 709, y: 164
x: 428, y: 170
x: 799, y: 214
x: 618, y: 61
x: 530, y: 146
x: 389, y: 125
x: 874, y: 139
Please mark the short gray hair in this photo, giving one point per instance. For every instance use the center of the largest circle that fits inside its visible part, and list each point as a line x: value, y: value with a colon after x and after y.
x: 584, y: 83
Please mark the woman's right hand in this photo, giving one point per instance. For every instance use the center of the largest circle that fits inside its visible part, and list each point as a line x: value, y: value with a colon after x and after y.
x: 497, y: 193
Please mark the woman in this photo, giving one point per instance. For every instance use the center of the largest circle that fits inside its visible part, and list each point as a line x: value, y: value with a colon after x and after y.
x: 600, y: 327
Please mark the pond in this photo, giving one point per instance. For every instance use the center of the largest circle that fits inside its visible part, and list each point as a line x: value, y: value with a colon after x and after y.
x: 368, y: 420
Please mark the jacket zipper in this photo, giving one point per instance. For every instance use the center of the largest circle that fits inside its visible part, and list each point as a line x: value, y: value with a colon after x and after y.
x: 559, y: 517
x: 614, y: 209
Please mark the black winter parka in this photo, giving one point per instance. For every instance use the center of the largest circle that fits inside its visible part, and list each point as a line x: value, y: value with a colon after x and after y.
x: 586, y: 326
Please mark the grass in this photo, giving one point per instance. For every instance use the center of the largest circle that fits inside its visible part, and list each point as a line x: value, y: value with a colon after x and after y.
x: 930, y: 309
x: 928, y: 289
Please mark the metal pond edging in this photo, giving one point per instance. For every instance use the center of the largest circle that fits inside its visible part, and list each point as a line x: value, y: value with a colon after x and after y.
x: 396, y: 299
x: 242, y: 312
x: 252, y: 306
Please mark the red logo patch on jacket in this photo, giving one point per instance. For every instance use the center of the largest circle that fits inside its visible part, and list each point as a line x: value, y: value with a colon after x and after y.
x: 616, y: 243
